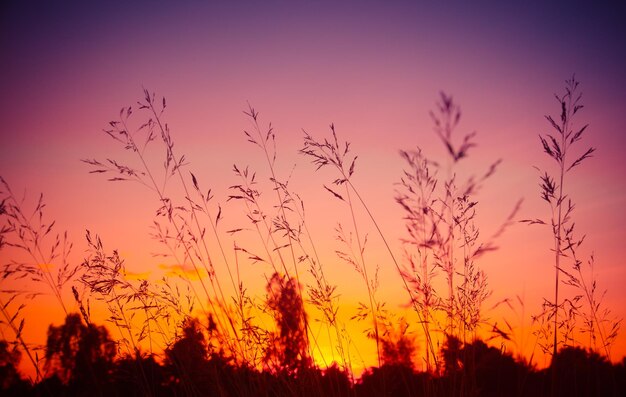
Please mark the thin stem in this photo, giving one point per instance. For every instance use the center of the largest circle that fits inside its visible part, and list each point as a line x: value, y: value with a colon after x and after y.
x: 373, y: 304
x: 397, y: 265
x: 18, y: 335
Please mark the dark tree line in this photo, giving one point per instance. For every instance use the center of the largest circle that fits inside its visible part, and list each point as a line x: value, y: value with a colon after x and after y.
x: 82, y: 360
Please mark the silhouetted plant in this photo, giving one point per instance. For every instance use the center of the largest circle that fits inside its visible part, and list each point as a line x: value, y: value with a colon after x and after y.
x: 80, y: 355
x: 287, y: 351
x: 11, y: 383
x: 338, y: 156
x: 416, y: 199
x: 336, y: 382
x: 37, y: 249
x: 139, y: 375
x: 32, y: 234
x: 178, y: 222
x: 583, y: 373
x: 563, y: 312
x: 477, y: 369
x: 442, y: 234
x: 188, y: 360
x: 398, y: 346
x: 103, y: 279
x: 284, y: 234
x: 228, y: 351
x: 392, y: 380
x: 598, y: 322
x: 140, y: 310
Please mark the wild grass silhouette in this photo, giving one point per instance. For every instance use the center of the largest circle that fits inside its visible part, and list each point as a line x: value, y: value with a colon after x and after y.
x: 583, y: 303
x: 203, y: 334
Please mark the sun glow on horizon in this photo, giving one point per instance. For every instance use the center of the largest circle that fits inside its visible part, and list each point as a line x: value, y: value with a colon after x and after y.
x: 323, y: 176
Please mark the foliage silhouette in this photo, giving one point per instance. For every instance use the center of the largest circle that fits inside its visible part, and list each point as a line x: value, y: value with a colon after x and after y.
x: 10, y: 381
x: 194, y: 365
x: 287, y: 352
x: 202, y: 342
x: 81, y: 356
x: 81, y: 361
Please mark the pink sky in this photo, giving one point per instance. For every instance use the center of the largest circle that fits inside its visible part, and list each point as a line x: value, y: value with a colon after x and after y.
x: 374, y: 70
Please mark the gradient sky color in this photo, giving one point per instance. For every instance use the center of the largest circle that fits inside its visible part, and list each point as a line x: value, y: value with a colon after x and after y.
x: 372, y: 68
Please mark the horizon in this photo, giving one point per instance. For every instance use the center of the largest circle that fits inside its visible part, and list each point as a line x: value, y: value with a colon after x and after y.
x: 374, y: 72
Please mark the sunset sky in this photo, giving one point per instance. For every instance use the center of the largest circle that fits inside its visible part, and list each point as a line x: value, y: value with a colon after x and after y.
x: 373, y: 68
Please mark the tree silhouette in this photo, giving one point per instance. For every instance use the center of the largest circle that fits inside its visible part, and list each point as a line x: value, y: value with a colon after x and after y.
x: 580, y: 372
x: 80, y: 355
x: 397, y: 346
x: 197, y: 367
x: 139, y: 375
x: 11, y: 384
x: 288, y: 347
x: 478, y: 369
x: 187, y: 359
x: 80, y: 362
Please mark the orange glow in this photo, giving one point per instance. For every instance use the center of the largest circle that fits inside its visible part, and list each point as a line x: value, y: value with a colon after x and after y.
x: 374, y: 71
x: 184, y: 271
x: 128, y: 275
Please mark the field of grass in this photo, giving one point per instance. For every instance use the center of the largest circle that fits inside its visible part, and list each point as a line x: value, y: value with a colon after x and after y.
x: 202, y: 332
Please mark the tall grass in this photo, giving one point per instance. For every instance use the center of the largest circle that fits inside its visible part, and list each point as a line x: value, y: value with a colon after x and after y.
x: 284, y: 237
x: 443, y: 239
x: 202, y: 330
x: 280, y: 239
x: 338, y: 156
x: 561, y: 145
x: 36, y: 250
x: 177, y: 223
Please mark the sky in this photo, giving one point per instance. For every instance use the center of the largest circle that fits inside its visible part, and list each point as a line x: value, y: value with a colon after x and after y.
x: 375, y: 69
